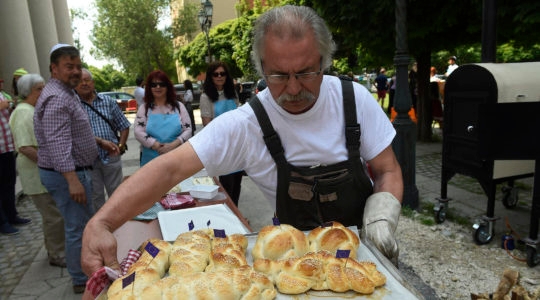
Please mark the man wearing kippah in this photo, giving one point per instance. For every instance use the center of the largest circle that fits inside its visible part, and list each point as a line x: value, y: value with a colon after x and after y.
x: 67, y: 150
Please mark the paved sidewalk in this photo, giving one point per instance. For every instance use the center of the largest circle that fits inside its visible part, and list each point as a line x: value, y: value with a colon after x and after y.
x: 25, y: 273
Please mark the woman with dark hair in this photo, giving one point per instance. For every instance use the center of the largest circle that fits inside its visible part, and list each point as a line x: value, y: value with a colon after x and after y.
x: 188, y: 99
x: 218, y: 97
x: 162, y: 123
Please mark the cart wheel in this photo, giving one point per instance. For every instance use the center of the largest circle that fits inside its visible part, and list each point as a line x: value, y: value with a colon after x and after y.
x: 532, y: 257
x: 440, y: 214
x: 510, y: 197
x: 482, y: 235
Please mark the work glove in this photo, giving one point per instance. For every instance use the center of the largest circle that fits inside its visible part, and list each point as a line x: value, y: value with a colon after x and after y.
x: 381, y: 215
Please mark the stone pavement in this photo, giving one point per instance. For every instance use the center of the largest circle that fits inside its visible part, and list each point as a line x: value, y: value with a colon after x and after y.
x: 25, y: 273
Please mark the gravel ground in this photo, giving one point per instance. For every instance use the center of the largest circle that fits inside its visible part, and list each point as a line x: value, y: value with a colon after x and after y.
x: 443, y: 262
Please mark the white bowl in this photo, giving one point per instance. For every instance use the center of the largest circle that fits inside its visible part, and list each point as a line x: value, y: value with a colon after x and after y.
x: 204, y: 191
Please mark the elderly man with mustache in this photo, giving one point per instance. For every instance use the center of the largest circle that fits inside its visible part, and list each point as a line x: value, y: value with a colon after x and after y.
x: 304, y: 142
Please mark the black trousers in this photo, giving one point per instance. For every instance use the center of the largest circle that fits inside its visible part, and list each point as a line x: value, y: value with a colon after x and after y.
x: 8, y: 178
x: 232, y: 183
x: 189, y: 109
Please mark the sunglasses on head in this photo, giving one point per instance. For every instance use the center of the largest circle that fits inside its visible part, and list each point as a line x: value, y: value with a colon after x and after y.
x: 156, y: 84
x: 219, y: 74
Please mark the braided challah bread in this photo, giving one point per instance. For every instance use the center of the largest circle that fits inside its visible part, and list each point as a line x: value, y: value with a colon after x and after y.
x: 239, y: 283
x: 321, y: 271
x: 226, y: 256
x: 190, y: 253
x: 333, y: 238
x: 280, y: 242
x: 159, y: 262
x: 142, y: 279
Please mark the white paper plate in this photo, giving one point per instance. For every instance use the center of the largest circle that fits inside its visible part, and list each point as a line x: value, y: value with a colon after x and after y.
x: 174, y: 222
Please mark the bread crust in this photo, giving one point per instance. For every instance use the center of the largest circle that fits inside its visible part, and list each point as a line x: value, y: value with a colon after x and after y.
x: 280, y: 242
x: 321, y: 271
x: 333, y: 238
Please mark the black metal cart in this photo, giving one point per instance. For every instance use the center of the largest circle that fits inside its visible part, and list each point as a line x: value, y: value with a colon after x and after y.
x: 468, y: 91
x: 511, y: 131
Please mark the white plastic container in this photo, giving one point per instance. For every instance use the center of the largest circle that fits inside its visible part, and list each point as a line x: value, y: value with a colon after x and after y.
x: 204, y: 191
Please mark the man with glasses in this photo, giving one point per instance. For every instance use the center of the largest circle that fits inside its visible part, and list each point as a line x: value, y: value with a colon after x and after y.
x: 107, y: 120
x: 293, y: 143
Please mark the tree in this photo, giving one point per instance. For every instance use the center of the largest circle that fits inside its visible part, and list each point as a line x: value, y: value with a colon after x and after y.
x: 431, y: 26
x: 230, y: 41
x: 109, y: 79
x: 185, y: 23
x: 127, y: 31
x: 222, y: 40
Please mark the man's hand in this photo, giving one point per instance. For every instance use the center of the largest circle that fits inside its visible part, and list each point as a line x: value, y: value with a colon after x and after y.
x: 98, y: 249
x: 4, y: 104
x: 110, y: 147
x: 381, y: 215
x: 76, y: 188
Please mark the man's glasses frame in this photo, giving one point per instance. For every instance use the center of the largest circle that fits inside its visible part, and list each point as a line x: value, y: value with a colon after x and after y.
x: 284, y: 78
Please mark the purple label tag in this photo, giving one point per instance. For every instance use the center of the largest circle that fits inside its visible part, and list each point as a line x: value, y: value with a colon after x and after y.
x: 208, y: 223
x: 128, y: 280
x: 191, y: 225
x: 150, y: 248
x: 327, y: 224
x: 219, y: 233
x: 343, y: 253
x: 275, y: 221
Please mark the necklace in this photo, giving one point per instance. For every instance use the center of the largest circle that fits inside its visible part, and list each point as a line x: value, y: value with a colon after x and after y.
x: 220, y: 92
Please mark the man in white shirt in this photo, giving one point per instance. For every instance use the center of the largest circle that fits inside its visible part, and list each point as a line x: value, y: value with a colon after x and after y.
x: 451, y: 66
x: 292, y: 47
x: 139, y: 91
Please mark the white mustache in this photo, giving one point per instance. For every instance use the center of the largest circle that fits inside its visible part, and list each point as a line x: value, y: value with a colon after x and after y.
x: 303, y: 95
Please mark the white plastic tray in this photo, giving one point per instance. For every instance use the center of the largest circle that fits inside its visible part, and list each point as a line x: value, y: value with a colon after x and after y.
x: 174, y: 222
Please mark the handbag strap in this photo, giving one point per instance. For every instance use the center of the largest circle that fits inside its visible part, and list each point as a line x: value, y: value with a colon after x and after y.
x: 103, y: 117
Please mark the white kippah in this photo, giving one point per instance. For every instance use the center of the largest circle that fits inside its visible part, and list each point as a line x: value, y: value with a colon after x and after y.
x: 58, y: 46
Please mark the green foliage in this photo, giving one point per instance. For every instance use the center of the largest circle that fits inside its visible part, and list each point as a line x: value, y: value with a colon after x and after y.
x: 431, y: 26
x: 186, y: 23
x: 109, y: 79
x: 229, y: 42
x: 127, y: 31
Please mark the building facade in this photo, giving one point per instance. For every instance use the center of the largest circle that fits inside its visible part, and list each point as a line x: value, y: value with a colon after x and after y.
x: 28, y: 30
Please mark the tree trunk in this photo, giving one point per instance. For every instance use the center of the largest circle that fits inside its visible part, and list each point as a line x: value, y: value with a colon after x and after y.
x: 423, y: 106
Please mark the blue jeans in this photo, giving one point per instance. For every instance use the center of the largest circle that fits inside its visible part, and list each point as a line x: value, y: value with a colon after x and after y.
x: 75, y: 216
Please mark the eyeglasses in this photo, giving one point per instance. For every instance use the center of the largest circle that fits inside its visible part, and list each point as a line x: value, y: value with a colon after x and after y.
x: 284, y: 78
x: 157, y: 84
x: 86, y: 80
x: 219, y: 74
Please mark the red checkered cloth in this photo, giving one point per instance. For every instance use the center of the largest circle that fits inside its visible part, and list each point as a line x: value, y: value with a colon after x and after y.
x: 131, y: 258
x: 102, y: 278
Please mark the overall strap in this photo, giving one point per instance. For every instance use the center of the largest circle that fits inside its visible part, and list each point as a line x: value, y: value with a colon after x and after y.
x: 270, y: 136
x: 352, y: 128
x: 273, y: 143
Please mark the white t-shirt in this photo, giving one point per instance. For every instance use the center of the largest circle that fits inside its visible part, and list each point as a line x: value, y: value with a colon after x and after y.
x: 451, y: 68
x: 233, y: 141
x: 139, y: 95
